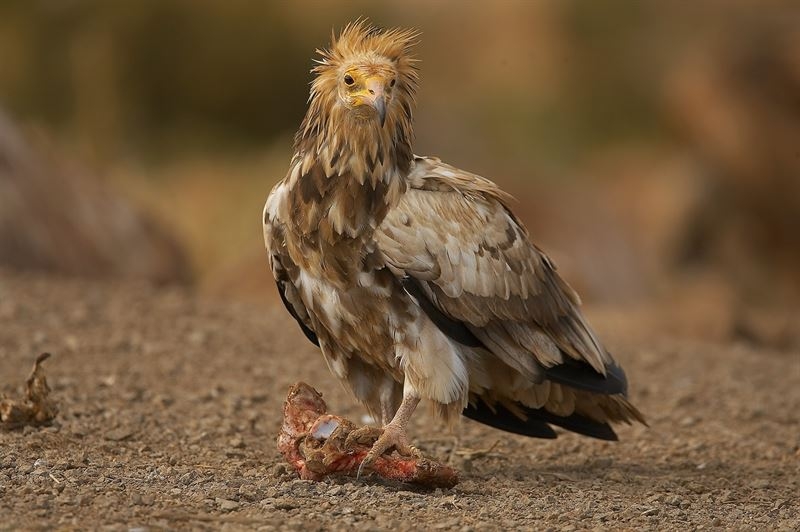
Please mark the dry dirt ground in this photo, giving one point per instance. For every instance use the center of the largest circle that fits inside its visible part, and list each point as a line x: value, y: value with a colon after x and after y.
x: 170, y: 406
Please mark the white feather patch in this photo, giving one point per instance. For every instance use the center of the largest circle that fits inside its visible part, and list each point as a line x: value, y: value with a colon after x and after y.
x: 436, y: 367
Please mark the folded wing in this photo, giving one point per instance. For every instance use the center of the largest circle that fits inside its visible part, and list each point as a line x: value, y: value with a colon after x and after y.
x: 461, y: 253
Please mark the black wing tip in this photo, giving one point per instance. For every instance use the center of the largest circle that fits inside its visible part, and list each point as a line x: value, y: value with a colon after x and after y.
x: 615, y: 372
x: 538, y: 423
x: 582, y: 376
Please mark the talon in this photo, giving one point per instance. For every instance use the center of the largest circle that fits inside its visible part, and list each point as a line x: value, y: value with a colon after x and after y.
x: 369, y: 459
x: 361, y: 468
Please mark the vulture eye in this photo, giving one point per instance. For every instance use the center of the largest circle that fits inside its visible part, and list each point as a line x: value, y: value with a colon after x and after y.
x: 348, y: 79
x: 391, y: 83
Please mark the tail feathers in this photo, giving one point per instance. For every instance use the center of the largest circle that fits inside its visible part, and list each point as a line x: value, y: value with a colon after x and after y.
x: 537, y: 424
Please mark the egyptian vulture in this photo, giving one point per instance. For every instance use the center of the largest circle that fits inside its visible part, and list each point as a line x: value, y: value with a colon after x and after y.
x: 415, y: 278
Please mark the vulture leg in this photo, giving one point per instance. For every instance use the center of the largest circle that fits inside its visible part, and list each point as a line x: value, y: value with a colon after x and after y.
x: 392, y: 435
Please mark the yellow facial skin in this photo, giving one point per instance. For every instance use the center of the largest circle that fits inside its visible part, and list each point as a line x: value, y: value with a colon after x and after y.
x: 372, y: 88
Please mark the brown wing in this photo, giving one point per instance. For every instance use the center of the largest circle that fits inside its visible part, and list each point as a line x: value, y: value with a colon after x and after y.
x: 273, y: 237
x: 460, y: 251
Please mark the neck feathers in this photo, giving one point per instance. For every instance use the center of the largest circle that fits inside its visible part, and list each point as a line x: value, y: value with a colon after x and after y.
x: 345, y: 144
x: 345, y: 179
x: 332, y: 209
x: 347, y: 172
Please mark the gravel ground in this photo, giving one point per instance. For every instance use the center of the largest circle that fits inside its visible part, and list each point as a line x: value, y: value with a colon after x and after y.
x: 170, y: 406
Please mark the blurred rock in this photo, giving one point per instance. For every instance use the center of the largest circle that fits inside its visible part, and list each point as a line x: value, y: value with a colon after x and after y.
x: 246, y: 279
x: 56, y: 218
x: 735, y: 102
x: 614, y: 229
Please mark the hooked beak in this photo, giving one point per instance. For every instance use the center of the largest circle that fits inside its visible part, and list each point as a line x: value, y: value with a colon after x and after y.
x: 375, y: 96
x: 380, y: 106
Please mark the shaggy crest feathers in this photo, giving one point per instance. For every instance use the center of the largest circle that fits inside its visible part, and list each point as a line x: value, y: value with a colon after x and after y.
x: 361, y: 41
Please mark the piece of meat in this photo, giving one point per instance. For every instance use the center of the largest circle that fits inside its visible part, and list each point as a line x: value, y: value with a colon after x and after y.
x: 313, y: 442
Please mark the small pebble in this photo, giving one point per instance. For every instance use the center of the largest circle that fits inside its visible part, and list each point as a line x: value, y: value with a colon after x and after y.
x: 226, y: 505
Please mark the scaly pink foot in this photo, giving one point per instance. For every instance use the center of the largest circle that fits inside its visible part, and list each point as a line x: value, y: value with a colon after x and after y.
x: 392, y: 436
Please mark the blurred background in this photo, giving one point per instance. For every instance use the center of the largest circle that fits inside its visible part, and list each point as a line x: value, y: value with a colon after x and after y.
x: 654, y: 147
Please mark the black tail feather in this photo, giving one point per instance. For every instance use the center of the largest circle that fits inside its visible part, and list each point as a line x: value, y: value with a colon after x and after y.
x: 538, y: 423
x: 501, y: 418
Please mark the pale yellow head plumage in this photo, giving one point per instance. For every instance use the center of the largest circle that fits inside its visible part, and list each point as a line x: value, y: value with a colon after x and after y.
x: 368, y: 71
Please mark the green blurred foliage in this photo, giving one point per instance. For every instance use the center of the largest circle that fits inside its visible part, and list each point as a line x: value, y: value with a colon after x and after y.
x: 157, y: 74
x: 154, y: 77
